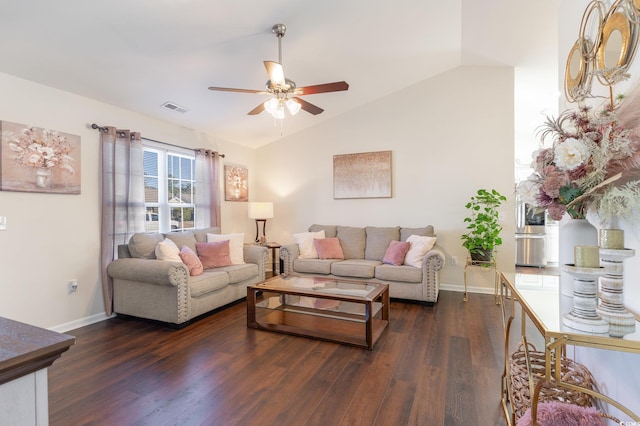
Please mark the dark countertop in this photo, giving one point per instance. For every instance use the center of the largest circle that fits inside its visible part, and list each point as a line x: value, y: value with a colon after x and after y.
x: 25, y: 349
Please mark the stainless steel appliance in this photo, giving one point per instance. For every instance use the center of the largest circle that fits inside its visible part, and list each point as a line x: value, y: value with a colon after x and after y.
x: 530, y: 237
x: 530, y: 246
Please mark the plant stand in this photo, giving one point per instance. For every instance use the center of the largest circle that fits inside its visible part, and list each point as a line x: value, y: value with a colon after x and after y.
x: 584, y: 317
x: 487, y: 265
x: 611, y: 295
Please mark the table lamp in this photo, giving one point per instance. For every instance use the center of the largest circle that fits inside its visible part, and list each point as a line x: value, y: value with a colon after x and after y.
x: 261, y: 211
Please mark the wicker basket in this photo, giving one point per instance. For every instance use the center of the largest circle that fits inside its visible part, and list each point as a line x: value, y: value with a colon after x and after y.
x: 571, y: 372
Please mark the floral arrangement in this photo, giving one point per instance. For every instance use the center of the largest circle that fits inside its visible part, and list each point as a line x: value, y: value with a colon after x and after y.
x: 41, y: 148
x: 592, y: 160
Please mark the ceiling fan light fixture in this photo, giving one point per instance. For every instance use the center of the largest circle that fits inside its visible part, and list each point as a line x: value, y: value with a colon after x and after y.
x: 279, y: 112
x: 271, y: 105
x: 293, y: 106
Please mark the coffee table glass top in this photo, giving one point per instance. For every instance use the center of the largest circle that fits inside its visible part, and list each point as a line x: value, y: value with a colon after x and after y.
x: 311, y: 285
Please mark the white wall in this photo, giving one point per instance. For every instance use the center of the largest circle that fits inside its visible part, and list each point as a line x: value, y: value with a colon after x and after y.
x: 449, y: 136
x: 52, y: 238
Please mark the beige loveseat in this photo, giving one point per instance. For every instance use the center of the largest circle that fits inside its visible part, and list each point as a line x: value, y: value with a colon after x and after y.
x: 364, y: 249
x: 161, y: 290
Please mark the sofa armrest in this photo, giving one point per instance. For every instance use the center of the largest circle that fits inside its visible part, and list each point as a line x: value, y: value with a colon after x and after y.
x: 435, y: 257
x: 433, y: 262
x: 255, y: 254
x: 288, y: 253
x: 258, y: 255
x: 151, y: 271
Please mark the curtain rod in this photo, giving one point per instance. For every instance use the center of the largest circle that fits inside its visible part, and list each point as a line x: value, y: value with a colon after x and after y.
x: 104, y: 129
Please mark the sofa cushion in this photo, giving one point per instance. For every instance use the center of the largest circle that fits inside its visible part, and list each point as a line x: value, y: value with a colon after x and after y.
x: 313, y: 266
x: 419, y: 247
x: 201, y: 234
x: 304, y: 240
x: 210, y: 280
x: 192, y: 261
x: 143, y: 244
x: 328, y: 248
x: 214, y: 255
x: 352, y: 240
x: 407, y: 274
x: 168, y: 250
x: 182, y: 239
x: 359, y: 268
x: 330, y: 231
x: 378, y: 240
x: 236, y: 245
x: 427, y: 231
x: 239, y: 273
x: 396, y: 252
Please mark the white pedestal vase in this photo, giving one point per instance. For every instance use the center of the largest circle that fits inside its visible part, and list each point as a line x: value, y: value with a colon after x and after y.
x: 611, y: 294
x: 584, y: 317
x: 575, y: 232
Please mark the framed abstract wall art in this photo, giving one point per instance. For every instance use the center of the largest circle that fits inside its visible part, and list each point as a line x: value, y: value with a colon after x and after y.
x: 236, y: 183
x: 362, y: 175
x: 33, y: 159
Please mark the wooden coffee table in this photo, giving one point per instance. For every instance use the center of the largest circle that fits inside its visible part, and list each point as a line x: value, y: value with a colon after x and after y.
x: 345, y: 311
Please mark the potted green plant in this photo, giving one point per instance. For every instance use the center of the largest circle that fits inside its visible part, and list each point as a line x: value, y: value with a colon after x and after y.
x: 483, y: 228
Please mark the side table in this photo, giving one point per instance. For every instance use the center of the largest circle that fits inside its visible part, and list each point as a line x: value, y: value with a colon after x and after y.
x: 274, y: 247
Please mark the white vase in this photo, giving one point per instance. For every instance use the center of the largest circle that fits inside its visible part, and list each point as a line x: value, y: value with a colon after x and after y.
x: 44, y: 177
x: 575, y: 232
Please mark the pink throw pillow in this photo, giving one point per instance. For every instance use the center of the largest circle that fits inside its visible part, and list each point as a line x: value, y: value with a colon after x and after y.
x: 190, y: 259
x: 396, y: 252
x: 215, y: 254
x: 328, y: 248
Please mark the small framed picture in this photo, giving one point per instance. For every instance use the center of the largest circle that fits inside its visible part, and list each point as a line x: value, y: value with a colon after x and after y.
x: 236, y: 183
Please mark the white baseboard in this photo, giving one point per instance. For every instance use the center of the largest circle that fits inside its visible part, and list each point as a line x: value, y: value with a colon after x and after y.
x: 63, y: 328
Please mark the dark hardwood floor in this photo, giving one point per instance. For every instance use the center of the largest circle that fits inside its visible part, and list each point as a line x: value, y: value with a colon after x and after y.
x: 437, y: 365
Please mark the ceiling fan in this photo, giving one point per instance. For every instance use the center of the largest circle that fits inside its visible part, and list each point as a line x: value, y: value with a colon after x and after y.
x: 284, y: 91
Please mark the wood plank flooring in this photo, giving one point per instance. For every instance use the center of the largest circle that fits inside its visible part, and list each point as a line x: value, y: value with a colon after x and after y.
x: 437, y: 365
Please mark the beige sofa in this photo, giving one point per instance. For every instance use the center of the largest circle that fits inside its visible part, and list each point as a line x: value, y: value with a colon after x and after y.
x: 161, y: 290
x: 364, y: 249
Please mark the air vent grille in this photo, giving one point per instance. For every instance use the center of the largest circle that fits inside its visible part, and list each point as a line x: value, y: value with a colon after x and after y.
x: 174, y: 107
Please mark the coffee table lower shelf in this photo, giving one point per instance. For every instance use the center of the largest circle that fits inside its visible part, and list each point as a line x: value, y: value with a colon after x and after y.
x: 329, y: 329
x: 358, y: 324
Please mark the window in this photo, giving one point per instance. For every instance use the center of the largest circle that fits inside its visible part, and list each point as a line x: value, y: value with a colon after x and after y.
x: 169, y: 185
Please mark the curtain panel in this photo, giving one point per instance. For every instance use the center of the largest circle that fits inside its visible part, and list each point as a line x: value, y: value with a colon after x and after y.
x: 207, y: 196
x: 123, y: 208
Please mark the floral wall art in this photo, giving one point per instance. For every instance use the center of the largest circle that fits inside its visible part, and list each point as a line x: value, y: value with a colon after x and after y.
x: 33, y: 159
x: 362, y: 175
x: 236, y: 183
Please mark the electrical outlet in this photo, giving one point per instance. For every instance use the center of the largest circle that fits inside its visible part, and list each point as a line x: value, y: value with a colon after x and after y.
x: 72, y: 286
x: 3, y: 223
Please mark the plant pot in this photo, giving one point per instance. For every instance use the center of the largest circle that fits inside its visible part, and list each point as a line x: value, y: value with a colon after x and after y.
x: 480, y: 255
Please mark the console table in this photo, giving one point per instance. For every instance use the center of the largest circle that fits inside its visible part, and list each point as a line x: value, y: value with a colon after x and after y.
x: 542, y: 306
x: 25, y: 354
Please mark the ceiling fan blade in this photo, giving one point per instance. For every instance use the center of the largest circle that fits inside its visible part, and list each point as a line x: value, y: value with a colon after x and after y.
x: 309, y: 107
x: 257, y: 110
x: 322, y: 88
x: 229, y: 89
x: 275, y: 71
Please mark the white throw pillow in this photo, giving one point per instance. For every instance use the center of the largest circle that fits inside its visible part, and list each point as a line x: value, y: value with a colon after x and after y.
x: 419, y: 248
x: 304, y: 240
x: 236, y: 245
x: 168, y: 250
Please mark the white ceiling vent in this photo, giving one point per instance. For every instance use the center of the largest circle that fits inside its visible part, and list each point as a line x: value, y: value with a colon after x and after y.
x: 174, y: 107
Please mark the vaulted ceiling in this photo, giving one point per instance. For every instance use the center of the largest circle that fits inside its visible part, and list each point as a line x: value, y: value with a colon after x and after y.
x: 139, y: 54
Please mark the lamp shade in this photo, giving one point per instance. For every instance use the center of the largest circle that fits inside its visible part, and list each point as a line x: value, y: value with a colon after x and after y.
x: 261, y: 210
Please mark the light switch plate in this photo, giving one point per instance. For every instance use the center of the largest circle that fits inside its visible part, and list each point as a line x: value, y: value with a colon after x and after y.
x: 3, y: 223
